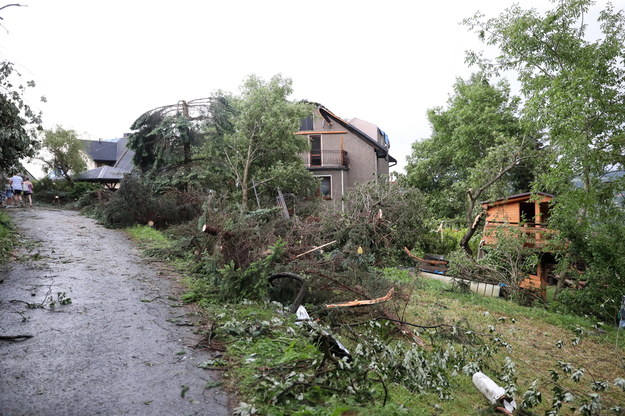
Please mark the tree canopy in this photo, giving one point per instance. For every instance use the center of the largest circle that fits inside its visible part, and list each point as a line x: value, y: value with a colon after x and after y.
x: 19, y: 123
x: 476, y: 151
x: 255, y: 137
x: 574, y: 93
x: 66, y: 152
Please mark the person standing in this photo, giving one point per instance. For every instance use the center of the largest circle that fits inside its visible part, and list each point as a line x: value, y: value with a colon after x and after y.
x: 16, y: 183
x: 8, y: 193
x: 27, y: 188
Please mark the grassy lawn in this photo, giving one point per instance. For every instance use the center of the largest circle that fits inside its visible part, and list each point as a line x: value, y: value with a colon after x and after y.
x: 266, y: 354
x: 276, y: 367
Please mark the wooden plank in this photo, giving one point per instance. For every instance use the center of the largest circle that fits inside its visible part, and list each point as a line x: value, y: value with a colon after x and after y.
x: 303, y: 133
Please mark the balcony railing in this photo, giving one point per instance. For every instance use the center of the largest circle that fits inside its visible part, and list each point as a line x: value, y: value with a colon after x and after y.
x: 536, y: 234
x: 326, y: 159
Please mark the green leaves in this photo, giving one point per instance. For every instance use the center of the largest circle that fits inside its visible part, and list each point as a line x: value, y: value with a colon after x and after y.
x: 19, y: 123
x: 66, y: 152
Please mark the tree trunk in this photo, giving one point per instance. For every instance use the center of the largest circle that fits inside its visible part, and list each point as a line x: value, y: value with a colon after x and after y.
x: 562, y: 275
x: 472, y: 228
x: 246, y: 172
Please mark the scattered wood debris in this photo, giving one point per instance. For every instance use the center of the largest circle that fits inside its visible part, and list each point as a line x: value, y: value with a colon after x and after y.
x: 357, y: 302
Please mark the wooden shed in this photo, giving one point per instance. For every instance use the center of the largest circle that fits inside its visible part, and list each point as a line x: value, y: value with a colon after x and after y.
x: 530, y: 211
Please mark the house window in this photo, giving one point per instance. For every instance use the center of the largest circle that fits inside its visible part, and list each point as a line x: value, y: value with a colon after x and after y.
x: 315, y: 150
x: 306, y: 124
x: 325, y: 187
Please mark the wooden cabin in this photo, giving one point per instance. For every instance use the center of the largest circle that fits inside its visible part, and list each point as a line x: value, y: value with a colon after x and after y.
x: 530, y: 211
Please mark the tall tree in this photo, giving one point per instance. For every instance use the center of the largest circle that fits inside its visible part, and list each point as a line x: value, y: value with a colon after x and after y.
x: 19, y: 123
x: 260, y: 147
x: 66, y: 153
x: 166, y: 135
x: 574, y: 87
x: 475, y: 151
x: 574, y: 92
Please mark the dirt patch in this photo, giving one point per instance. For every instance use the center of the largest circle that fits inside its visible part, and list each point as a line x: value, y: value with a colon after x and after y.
x: 119, y: 346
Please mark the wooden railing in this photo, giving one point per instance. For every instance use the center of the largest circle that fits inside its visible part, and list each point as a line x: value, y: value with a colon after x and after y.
x: 537, y: 234
x: 326, y: 158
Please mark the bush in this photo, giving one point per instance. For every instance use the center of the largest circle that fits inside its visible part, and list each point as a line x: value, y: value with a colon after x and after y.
x: 381, y: 219
x: 137, y: 202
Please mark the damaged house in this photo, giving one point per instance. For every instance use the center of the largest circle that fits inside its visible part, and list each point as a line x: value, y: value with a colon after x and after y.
x: 344, y: 153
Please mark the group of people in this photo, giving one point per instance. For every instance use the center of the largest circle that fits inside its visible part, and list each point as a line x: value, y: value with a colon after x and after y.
x: 18, y: 191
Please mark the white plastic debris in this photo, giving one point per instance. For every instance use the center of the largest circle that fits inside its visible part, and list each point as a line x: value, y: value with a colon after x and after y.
x: 302, y: 315
x: 492, y: 391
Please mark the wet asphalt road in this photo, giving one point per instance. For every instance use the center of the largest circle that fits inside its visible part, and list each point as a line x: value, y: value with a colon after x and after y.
x: 121, y: 347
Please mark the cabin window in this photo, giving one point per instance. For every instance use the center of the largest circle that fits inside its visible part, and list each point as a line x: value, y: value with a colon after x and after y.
x: 325, y: 187
x: 544, y: 212
x: 528, y: 212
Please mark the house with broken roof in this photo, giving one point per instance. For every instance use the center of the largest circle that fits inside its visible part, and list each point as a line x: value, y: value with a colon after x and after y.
x: 107, y: 161
x: 344, y: 153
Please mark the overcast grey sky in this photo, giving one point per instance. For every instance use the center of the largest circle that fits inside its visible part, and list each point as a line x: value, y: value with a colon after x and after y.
x: 101, y: 64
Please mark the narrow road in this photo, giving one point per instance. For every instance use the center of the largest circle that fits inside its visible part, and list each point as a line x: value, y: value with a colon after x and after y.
x: 124, y: 345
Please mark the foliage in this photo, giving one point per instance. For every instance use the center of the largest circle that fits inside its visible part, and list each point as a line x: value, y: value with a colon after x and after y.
x: 66, y: 153
x: 235, y: 283
x: 138, y: 201
x: 475, y: 152
x: 596, y: 242
x: 81, y: 188
x: 573, y: 88
x: 447, y: 240
x: 381, y: 218
x: 46, y: 190
x: 6, y: 237
x: 19, y: 123
x: 280, y: 368
x: 479, y: 117
x: 507, y: 261
x: 257, y: 144
x: 168, y: 135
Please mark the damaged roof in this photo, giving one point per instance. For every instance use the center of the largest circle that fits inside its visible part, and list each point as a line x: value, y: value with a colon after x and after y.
x: 381, y: 151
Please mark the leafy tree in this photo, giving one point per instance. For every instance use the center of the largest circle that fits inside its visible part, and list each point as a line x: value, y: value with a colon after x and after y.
x: 256, y: 139
x: 574, y: 92
x: 66, y: 152
x: 165, y: 136
x: 476, y: 151
x: 19, y: 123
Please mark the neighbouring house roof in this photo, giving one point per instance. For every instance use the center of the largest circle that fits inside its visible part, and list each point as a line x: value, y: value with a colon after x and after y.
x: 102, y: 174
x: 359, y: 128
x: 101, y: 150
x: 122, y: 156
x: 515, y: 198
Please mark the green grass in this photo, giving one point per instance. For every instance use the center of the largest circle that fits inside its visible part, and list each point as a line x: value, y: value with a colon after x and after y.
x: 265, y: 351
x: 148, y: 236
x: 7, y: 238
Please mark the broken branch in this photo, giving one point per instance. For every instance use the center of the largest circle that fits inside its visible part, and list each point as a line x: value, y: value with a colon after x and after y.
x: 363, y: 302
x: 412, y: 256
x: 314, y: 249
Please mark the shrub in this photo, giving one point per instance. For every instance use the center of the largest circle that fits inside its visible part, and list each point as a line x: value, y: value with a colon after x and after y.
x: 381, y: 219
x: 138, y: 202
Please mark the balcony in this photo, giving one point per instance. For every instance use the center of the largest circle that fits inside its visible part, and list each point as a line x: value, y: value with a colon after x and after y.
x: 326, y: 159
x: 536, y: 235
